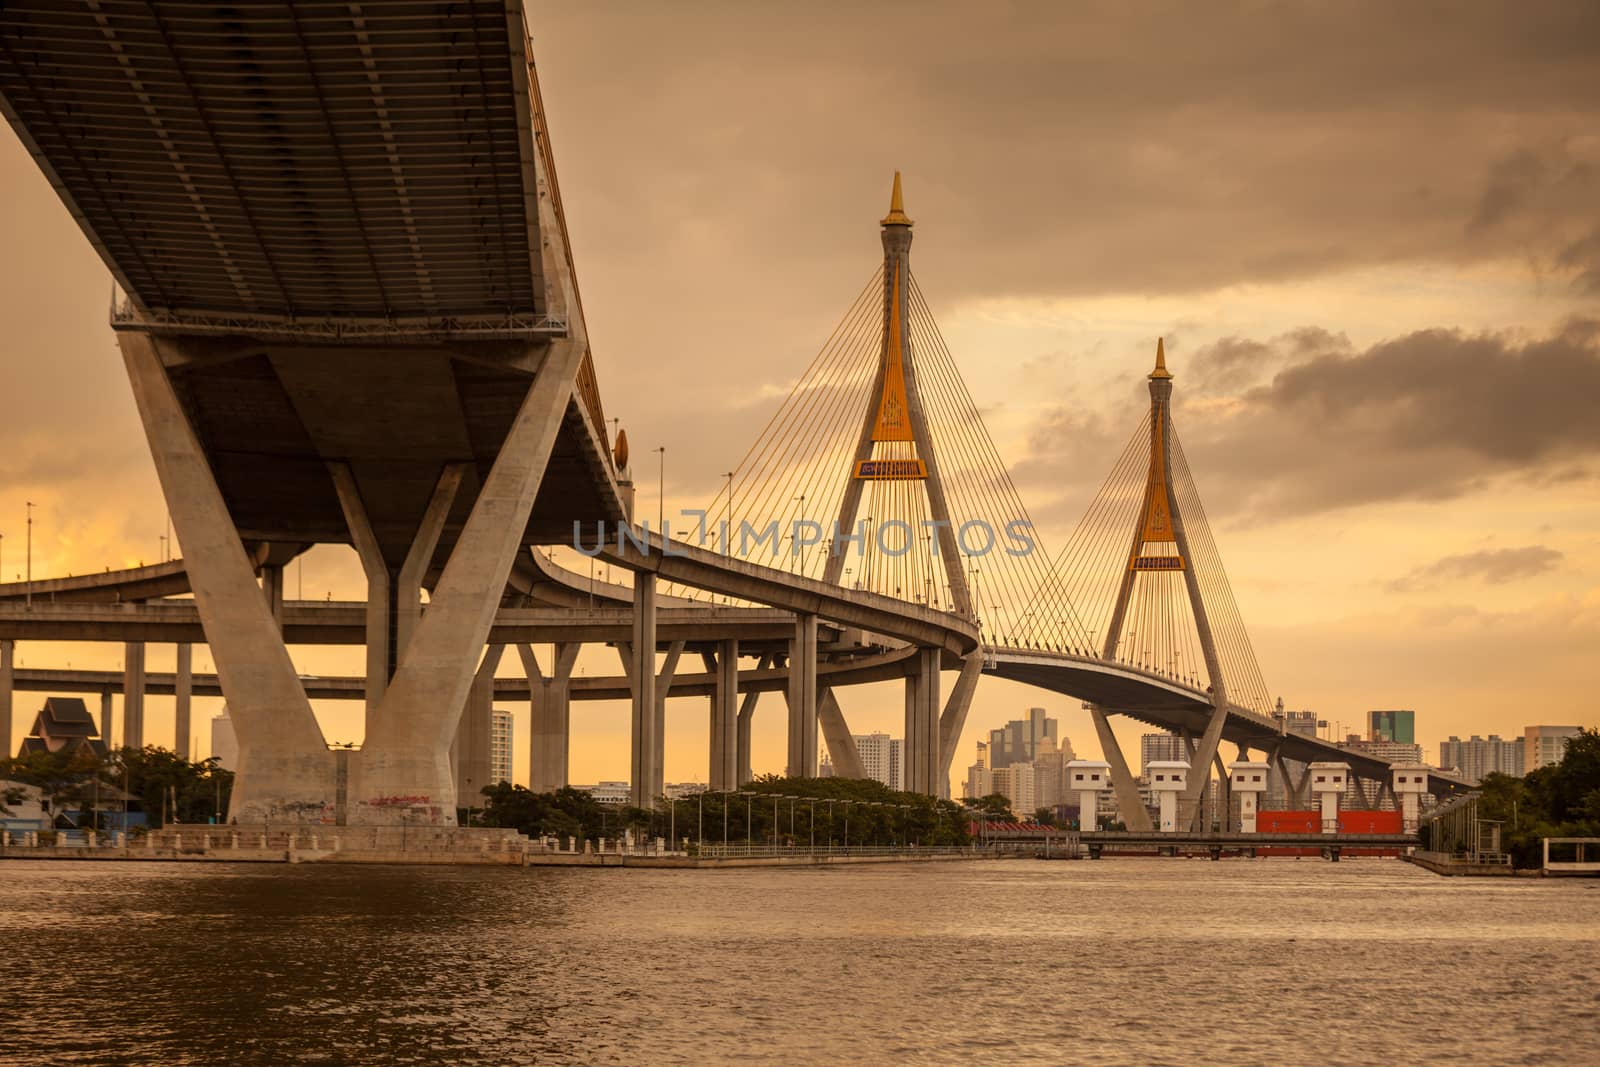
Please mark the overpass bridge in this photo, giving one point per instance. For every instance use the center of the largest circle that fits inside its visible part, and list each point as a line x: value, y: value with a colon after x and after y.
x: 348, y: 310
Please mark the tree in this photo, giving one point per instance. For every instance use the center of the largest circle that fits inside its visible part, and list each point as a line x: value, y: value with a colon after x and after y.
x: 996, y: 805
x: 61, y: 777
x: 1045, y: 816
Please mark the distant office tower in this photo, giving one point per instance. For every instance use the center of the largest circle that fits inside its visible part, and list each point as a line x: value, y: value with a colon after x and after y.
x: 224, y: 742
x: 500, y: 747
x: 1165, y: 746
x: 1400, y: 726
x: 1544, y: 745
x: 1021, y: 740
x: 880, y: 758
x: 1477, y: 757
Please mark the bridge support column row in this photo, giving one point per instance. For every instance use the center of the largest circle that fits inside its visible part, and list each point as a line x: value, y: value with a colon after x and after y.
x: 921, y: 746
x: 472, y: 750
x: 8, y: 688
x: 747, y: 714
x: 725, y: 718
x: 132, y: 695
x: 1135, y: 816
x: 836, y: 731
x: 403, y: 772
x: 803, y: 698
x: 954, y: 719
x: 639, y: 663
x: 182, y: 699
x: 285, y: 768
x: 550, y: 719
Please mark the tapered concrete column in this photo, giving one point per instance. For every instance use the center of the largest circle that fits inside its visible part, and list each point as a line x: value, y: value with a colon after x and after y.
x: 380, y: 597
x: 8, y: 687
x: 406, y: 754
x: 725, y: 718
x: 836, y: 731
x: 408, y: 583
x: 133, y: 695
x: 921, y: 746
x: 747, y: 714
x: 641, y: 661
x: 272, y: 589
x: 658, y: 740
x: 802, y: 693
x: 285, y: 769
x: 1135, y: 816
x: 954, y: 717
x: 183, y: 695
x: 551, y: 719
x: 473, y: 746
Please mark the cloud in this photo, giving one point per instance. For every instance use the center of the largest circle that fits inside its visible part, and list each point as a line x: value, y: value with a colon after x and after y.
x: 1496, y: 566
x: 1430, y: 415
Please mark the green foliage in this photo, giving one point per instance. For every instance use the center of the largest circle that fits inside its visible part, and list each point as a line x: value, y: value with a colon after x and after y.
x: 996, y: 806
x: 64, y: 778
x: 567, y: 812
x: 9, y: 796
x: 68, y: 781
x: 1045, y: 816
x: 770, y: 810
x: 201, y: 788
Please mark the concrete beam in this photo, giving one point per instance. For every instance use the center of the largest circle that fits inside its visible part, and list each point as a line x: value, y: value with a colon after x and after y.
x: 285, y: 769
x: 550, y: 724
x: 473, y: 747
x: 133, y: 695
x: 406, y: 755
x: 658, y: 751
x: 836, y: 731
x: 639, y: 661
x: 1134, y: 814
x: 725, y: 718
x: 183, y: 693
x: 747, y: 714
x: 380, y: 596
x: 108, y: 717
x: 8, y: 687
x: 954, y: 718
x: 921, y: 746
x: 419, y: 557
x: 802, y: 694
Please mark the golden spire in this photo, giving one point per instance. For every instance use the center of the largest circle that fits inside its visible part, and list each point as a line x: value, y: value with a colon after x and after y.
x: 897, y: 209
x: 1161, y: 361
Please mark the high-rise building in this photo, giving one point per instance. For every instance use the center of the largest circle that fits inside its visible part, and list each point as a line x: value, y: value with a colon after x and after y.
x: 224, y: 742
x: 1478, y: 757
x: 1037, y: 783
x: 1398, y: 726
x: 1544, y: 745
x: 880, y: 758
x: 500, y: 747
x: 1163, y: 746
x: 1021, y: 740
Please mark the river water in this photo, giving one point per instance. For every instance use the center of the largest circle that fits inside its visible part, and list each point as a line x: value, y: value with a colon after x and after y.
x: 1277, y: 962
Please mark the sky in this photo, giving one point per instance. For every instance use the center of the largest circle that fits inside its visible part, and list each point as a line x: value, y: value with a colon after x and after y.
x: 1369, y: 234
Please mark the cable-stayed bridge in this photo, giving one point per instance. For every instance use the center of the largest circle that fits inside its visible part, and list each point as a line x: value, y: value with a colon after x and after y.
x: 349, y: 313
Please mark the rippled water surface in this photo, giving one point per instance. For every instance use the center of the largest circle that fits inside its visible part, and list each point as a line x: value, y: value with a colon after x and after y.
x: 1276, y: 962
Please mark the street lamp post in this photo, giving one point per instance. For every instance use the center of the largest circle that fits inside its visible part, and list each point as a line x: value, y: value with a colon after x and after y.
x: 661, y: 494
x: 28, y: 595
